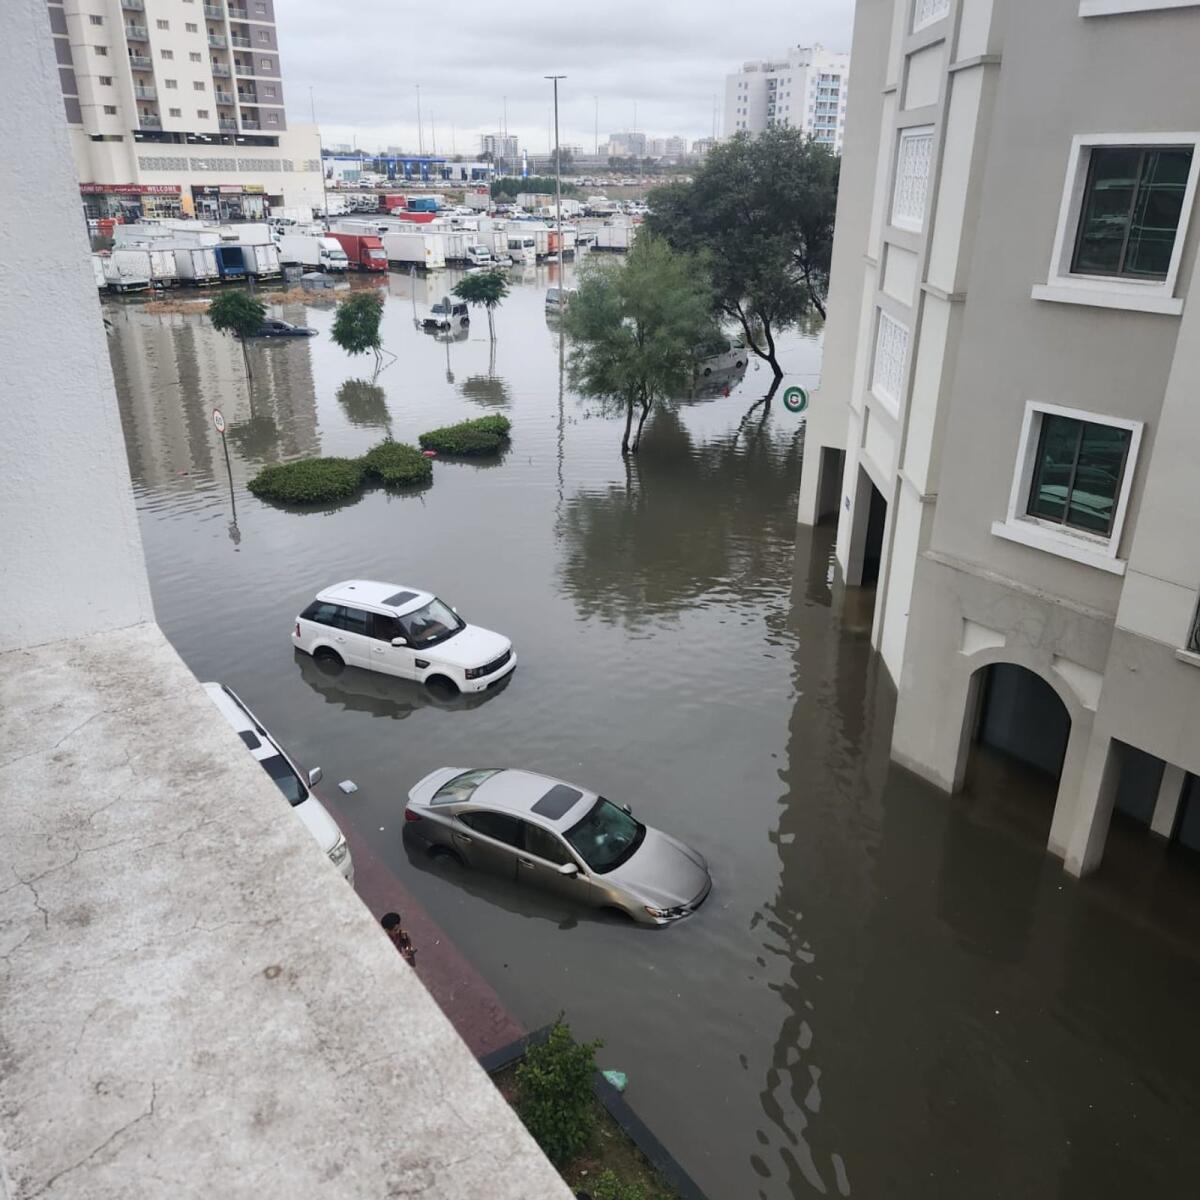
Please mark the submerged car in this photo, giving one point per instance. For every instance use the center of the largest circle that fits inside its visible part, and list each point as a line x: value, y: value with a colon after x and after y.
x: 553, y: 835
x: 402, y: 631
x: 721, y: 355
x: 275, y: 328
x: 286, y: 775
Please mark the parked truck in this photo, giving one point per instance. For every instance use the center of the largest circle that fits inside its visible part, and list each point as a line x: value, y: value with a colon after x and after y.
x: 461, y: 246
x: 364, y: 251
x: 427, y: 204
x: 415, y: 247
x: 197, y: 265
x: 390, y: 201
x: 262, y: 260
x: 157, y: 265
x: 231, y: 261
x: 615, y: 236
x: 125, y: 276
x: 315, y: 253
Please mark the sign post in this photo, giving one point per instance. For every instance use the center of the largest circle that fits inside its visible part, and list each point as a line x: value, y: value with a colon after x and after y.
x: 218, y: 420
x: 795, y: 399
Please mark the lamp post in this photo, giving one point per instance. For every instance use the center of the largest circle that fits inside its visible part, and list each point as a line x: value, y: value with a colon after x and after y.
x: 558, y: 182
x: 420, y: 131
x: 321, y: 154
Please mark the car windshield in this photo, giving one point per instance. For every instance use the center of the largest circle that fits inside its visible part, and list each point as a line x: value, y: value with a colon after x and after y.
x: 606, y: 837
x: 430, y: 625
x: 461, y: 787
x: 286, y: 780
x: 374, y: 253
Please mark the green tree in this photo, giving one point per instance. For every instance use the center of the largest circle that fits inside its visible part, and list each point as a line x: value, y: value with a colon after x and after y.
x: 634, y: 329
x: 514, y: 185
x: 484, y: 287
x: 761, y: 210
x: 356, y: 325
x: 242, y: 315
x: 554, y: 1094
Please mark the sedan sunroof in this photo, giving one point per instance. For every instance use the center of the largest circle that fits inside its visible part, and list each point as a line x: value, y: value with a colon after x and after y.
x: 559, y: 800
x: 400, y: 598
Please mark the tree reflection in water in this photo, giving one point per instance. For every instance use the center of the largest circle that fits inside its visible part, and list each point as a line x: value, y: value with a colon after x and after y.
x: 365, y: 404
x: 487, y: 390
x: 692, y: 522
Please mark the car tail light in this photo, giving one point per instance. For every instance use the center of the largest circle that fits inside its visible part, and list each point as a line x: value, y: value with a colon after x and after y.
x: 297, y: 633
x: 409, y: 815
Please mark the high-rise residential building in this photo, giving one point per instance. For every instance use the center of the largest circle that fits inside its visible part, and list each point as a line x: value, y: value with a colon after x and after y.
x: 805, y: 90
x: 701, y: 146
x: 500, y: 146
x: 667, y: 147
x: 176, y: 107
x: 627, y: 145
x: 1007, y: 426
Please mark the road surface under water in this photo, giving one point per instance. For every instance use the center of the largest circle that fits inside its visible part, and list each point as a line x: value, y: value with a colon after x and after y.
x: 891, y: 992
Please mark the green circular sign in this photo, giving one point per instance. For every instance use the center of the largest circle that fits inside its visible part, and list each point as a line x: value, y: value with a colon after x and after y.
x: 795, y: 399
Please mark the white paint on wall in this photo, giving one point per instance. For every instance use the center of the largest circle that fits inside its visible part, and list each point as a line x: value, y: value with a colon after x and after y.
x: 900, y: 274
x: 880, y: 447
x: 958, y: 150
x: 976, y: 637
x: 69, y: 540
x: 974, y: 29
x: 925, y: 74
x: 1083, y: 681
x: 906, y: 517
x: 925, y: 394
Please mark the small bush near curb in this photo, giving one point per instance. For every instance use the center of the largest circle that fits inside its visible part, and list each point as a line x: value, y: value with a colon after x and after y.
x: 397, y: 464
x: 554, y: 1094
x: 607, y: 1186
x: 308, y: 481
x: 481, y: 436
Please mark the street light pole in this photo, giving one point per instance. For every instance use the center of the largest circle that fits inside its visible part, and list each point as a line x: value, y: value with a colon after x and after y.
x: 321, y: 152
x: 562, y: 283
x: 420, y: 131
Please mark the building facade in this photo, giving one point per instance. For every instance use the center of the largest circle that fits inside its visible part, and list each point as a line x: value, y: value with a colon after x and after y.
x: 627, y: 145
x: 805, y: 90
x: 502, y: 147
x: 1008, y: 432
x: 175, y: 107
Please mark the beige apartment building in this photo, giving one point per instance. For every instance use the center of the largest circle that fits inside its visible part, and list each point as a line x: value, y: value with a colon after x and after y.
x: 175, y: 107
x: 1008, y: 424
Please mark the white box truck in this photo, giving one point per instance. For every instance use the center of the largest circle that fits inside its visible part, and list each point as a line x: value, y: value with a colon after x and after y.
x: 262, y: 260
x: 415, y: 247
x: 197, y: 265
x: 157, y: 265
x: 315, y: 253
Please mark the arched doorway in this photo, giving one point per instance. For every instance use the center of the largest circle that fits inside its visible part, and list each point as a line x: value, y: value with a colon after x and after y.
x: 1021, y: 730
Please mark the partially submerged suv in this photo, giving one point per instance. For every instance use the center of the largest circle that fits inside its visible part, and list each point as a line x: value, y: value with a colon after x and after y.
x: 270, y: 756
x: 402, y: 631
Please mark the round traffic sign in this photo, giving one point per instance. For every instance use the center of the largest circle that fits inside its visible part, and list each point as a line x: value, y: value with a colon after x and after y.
x: 218, y: 421
x: 795, y: 399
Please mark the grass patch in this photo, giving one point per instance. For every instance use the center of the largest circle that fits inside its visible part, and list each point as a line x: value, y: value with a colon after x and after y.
x: 397, y: 464
x: 308, y: 481
x: 484, y: 435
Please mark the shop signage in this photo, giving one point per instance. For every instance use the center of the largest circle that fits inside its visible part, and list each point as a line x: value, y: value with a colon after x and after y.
x: 795, y: 399
x: 254, y: 189
x: 230, y: 189
x: 130, y: 189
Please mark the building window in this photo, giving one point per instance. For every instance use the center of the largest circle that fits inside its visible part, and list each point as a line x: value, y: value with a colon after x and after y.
x: 162, y: 24
x: 912, y: 177
x: 104, y: 80
x: 167, y: 54
x: 170, y: 84
x: 1126, y: 204
x: 102, y: 51
x: 272, y: 118
x: 202, y: 113
x: 198, y: 85
x: 260, y: 8
x: 175, y: 112
x: 265, y: 63
x: 191, y: 27
x: 194, y: 56
x: 891, y: 353
x: 928, y: 11
x: 94, y: 20
x: 1071, y: 485
x: 269, y: 91
x: 1105, y: 8
x: 110, y: 110
x: 1130, y: 211
x: 264, y: 36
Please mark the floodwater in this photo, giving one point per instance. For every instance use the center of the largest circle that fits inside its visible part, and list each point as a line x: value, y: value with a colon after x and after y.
x: 890, y: 992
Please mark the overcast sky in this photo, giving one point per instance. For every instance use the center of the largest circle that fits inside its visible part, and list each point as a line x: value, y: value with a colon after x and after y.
x: 363, y: 60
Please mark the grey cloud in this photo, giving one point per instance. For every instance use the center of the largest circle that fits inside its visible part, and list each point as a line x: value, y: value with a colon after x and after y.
x: 364, y: 59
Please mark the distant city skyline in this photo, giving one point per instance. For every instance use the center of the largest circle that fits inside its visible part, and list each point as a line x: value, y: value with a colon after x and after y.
x: 642, y: 68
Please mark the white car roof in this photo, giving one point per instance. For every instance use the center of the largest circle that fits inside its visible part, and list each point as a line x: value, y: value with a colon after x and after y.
x: 393, y: 596
x: 518, y: 792
x: 240, y: 721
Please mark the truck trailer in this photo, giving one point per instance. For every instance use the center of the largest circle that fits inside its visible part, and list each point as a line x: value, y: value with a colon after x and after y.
x: 364, y: 251
x: 415, y: 247
x: 197, y: 265
x: 324, y: 253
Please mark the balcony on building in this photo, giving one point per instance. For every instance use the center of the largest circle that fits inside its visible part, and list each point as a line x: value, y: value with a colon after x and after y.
x: 137, y: 33
x: 144, y: 91
x: 238, y: 14
x: 215, y: 39
x: 251, y: 123
x: 219, y: 69
x: 244, y: 69
x: 214, y: 12
x: 243, y: 43
x: 149, y: 121
x: 227, y: 123
x: 134, y: 5
x: 139, y: 62
x: 223, y: 97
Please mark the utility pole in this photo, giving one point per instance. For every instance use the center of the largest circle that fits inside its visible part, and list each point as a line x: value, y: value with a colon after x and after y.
x: 321, y: 152
x: 562, y: 283
x: 504, y: 135
x: 420, y: 130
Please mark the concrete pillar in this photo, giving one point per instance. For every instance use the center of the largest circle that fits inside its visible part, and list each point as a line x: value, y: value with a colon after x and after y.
x: 1166, y: 808
x: 1092, y: 810
x: 69, y: 540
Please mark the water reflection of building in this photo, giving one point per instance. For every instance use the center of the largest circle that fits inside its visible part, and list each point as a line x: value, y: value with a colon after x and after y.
x: 1026, y: 517
x: 172, y: 370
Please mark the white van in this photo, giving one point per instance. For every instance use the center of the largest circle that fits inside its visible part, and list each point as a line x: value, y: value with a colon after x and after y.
x: 286, y: 775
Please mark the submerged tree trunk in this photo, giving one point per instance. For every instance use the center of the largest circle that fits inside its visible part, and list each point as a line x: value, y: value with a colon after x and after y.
x: 770, y: 354
x: 767, y: 354
x: 637, y: 437
x: 628, y: 424
x: 491, y: 325
x: 246, y: 360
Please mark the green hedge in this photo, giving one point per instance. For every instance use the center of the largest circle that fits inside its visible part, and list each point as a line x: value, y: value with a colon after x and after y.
x: 397, y: 464
x: 485, y: 435
x: 309, y: 481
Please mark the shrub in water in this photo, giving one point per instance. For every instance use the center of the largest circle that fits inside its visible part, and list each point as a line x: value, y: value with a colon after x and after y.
x: 554, y: 1094
x: 481, y: 436
x: 397, y: 464
x: 308, y: 481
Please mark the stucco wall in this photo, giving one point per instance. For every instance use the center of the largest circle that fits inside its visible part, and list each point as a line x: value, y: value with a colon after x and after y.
x: 69, y: 541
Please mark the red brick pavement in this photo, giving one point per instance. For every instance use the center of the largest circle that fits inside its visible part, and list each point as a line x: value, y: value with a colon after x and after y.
x: 470, y: 1002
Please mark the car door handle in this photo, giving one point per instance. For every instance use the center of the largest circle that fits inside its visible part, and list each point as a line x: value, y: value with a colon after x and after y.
x: 462, y: 837
x: 524, y: 862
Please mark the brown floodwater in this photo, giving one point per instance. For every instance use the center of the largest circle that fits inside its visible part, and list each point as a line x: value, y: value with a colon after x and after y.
x: 890, y: 992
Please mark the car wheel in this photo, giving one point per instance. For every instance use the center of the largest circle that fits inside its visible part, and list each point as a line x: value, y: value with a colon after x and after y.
x: 444, y: 855
x: 328, y: 657
x: 708, y: 370
x: 739, y: 363
x: 442, y: 687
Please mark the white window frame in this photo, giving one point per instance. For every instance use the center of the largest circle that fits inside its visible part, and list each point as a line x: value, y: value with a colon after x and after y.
x: 909, y: 135
x: 920, y: 22
x: 1104, y: 8
x: 1152, y: 296
x: 890, y: 403
x: 1092, y: 549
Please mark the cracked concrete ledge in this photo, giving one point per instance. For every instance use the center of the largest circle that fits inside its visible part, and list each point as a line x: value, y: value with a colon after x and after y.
x: 194, y: 1002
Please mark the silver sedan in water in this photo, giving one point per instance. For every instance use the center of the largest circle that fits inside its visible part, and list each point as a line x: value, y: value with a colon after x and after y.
x: 553, y: 835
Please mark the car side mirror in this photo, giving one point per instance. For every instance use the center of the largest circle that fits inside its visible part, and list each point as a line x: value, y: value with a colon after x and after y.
x: 399, y: 642
x: 568, y: 869
x: 626, y: 809
x: 314, y: 776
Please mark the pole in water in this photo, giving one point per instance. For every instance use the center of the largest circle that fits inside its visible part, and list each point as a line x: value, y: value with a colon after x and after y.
x: 558, y: 181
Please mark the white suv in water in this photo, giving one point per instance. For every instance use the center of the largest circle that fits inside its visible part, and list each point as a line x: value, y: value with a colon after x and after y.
x: 402, y: 631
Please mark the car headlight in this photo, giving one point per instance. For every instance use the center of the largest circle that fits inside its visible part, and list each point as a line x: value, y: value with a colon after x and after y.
x: 665, y: 914
x: 337, y: 855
